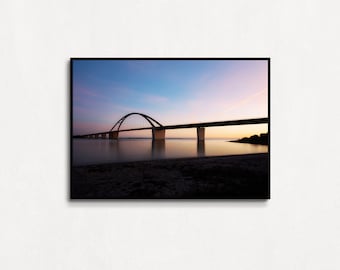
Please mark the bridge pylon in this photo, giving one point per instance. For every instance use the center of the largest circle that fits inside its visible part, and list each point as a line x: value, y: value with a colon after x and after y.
x: 113, y: 135
x: 200, y: 133
x: 158, y: 134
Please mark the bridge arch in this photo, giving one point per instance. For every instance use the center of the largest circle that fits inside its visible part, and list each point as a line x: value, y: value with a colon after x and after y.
x: 151, y: 121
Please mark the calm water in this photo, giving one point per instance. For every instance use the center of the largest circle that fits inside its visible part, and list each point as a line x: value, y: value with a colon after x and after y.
x: 96, y: 151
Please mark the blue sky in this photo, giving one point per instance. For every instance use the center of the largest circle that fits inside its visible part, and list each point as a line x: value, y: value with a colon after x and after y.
x: 171, y: 91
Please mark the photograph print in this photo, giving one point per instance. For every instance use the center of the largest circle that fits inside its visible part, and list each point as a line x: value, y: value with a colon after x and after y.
x: 169, y: 128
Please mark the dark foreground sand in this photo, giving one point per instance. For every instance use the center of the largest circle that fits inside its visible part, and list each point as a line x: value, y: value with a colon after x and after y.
x: 242, y: 176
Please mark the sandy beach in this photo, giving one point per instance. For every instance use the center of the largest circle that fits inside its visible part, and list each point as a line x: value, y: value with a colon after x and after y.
x: 240, y: 176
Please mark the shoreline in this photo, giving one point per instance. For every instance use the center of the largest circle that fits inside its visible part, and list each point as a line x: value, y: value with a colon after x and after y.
x: 171, y: 159
x: 215, y: 177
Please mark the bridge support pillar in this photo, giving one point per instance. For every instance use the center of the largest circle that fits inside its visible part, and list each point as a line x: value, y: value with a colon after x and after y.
x: 158, y: 134
x: 200, y: 134
x: 96, y: 136
x: 113, y: 135
x: 103, y: 135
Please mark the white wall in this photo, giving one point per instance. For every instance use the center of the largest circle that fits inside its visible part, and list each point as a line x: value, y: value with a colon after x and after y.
x: 297, y: 229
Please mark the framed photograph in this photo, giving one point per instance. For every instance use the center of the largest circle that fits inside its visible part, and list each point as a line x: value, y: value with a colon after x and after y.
x: 170, y: 128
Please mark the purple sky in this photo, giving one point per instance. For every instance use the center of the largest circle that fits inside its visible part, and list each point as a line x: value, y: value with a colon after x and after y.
x: 170, y: 91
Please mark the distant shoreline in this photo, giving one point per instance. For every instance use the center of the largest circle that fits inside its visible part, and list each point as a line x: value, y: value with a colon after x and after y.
x: 255, y: 139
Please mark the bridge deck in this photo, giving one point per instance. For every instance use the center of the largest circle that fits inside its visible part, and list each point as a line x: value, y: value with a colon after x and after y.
x: 196, y: 125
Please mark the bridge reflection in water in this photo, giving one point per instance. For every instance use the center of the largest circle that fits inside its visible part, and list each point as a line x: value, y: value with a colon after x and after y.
x: 158, y: 149
x: 139, y: 149
x: 89, y: 151
x: 200, y: 148
x: 120, y: 150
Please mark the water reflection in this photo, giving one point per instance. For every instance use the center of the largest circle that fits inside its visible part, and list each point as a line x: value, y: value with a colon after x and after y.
x: 158, y: 149
x: 200, y: 148
x: 114, y: 149
x: 90, y: 151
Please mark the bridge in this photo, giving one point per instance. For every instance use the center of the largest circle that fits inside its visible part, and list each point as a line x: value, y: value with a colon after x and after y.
x: 158, y: 130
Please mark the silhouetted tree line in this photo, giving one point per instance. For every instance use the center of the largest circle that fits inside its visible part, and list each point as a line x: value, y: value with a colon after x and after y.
x: 255, y: 139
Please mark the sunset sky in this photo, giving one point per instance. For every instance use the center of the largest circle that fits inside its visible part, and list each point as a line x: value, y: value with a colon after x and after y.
x: 172, y: 92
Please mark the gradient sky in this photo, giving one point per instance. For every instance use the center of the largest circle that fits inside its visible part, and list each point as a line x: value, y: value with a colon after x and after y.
x: 172, y: 92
